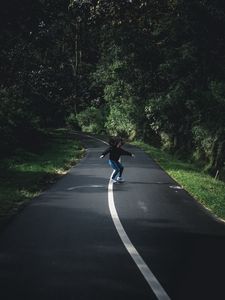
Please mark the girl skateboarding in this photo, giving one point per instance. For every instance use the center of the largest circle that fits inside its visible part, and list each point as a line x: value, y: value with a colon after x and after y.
x: 115, y: 151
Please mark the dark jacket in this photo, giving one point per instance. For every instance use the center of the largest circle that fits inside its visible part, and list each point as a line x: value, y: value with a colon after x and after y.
x: 115, y: 153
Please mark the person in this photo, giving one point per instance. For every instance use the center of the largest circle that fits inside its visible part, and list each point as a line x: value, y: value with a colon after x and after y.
x: 115, y: 151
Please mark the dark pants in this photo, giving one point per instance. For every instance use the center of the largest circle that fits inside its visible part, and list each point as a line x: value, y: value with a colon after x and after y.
x: 117, y: 167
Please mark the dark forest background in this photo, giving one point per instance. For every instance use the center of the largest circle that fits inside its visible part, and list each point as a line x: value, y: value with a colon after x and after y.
x: 152, y: 70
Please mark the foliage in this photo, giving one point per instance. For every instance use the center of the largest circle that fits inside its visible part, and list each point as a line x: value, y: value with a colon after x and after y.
x: 119, y: 123
x: 72, y: 122
x: 26, y: 173
x: 119, y: 96
x: 15, y: 116
x: 171, y: 113
x: 91, y: 120
x: 155, y: 69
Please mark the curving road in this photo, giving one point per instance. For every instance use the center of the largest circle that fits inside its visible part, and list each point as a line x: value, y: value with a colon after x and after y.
x: 65, y: 246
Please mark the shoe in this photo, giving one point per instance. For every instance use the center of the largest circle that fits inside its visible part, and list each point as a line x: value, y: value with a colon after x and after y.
x: 114, y: 181
x: 120, y: 179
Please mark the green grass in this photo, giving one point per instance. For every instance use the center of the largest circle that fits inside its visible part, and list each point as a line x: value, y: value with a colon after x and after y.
x: 25, y: 174
x: 208, y: 191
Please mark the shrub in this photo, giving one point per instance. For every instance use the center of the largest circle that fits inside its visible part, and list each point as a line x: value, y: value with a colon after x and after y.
x: 72, y: 122
x: 119, y: 123
x: 17, y: 121
x: 91, y: 120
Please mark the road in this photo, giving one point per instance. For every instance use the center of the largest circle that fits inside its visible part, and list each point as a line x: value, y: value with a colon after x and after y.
x: 64, y: 245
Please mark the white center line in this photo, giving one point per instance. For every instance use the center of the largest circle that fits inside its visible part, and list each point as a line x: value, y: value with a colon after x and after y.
x: 146, y: 272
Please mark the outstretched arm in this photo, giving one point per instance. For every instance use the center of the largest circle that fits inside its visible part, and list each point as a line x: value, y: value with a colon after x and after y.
x: 124, y: 152
x: 105, y: 152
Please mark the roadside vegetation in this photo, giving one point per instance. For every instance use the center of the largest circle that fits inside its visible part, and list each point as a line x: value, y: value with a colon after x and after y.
x: 27, y: 172
x: 203, y: 187
x: 148, y: 70
x: 140, y: 69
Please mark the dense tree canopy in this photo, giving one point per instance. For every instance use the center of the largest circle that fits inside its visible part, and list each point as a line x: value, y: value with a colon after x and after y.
x: 148, y: 69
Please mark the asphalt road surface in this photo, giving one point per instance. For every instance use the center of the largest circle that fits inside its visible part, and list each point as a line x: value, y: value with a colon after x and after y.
x: 65, y: 246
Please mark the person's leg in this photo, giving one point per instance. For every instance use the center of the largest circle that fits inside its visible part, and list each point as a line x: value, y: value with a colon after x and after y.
x: 115, y: 167
x: 121, y: 168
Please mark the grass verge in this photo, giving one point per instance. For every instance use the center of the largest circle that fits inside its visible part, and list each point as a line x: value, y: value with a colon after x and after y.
x: 208, y: 191
x: 25, y: 174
